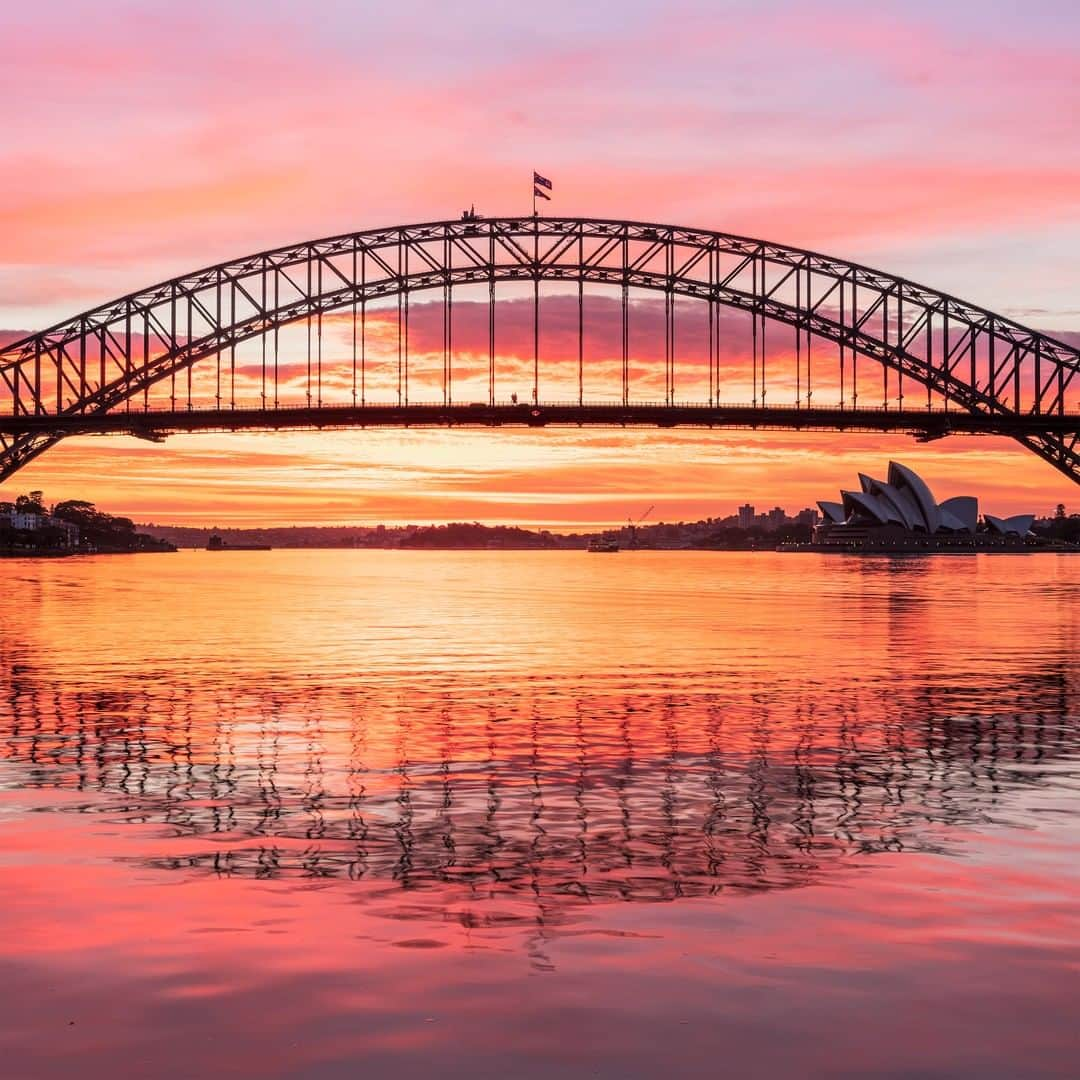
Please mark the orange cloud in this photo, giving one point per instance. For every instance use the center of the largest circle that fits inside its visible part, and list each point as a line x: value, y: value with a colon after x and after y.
x: 562, y: 478
x: 924, y: 142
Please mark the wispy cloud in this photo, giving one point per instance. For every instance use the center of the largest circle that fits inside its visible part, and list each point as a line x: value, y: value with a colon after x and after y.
x: 940, y: 140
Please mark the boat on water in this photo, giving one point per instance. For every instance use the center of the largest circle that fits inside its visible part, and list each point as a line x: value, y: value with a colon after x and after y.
x: 603, y: 545
x: 215, y: 543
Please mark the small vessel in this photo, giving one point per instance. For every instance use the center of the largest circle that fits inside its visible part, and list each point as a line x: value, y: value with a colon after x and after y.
x: 603, y: 545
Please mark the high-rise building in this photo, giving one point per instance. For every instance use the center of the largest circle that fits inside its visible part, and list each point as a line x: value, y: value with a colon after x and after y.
x: 746, y: 516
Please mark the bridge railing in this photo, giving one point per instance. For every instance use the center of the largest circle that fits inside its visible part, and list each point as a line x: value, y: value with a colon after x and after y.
x: 257, y: 405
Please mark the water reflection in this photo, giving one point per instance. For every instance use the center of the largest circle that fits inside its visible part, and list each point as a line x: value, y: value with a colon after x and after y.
x: 301, y: 814
x: 548, y: 789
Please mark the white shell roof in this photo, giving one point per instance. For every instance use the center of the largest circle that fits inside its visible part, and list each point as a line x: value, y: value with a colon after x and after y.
x: 902, y: 477
x: 833, y: 511
x: 1017, y: 525
x: 861, y: 502
x: 965, y: 508
x: 904, y: 509
x: 906, y: 499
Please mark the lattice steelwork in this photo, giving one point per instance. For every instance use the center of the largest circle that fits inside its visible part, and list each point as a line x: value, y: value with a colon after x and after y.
x: 938, y: 364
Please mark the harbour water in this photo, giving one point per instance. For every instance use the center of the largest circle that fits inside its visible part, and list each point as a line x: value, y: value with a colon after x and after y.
x: 532, y: 814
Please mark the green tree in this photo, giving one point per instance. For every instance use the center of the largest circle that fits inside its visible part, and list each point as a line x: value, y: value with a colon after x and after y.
x: 29, y: 504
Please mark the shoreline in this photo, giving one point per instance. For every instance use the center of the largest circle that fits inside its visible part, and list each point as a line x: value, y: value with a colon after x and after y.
x: 800, y: 549
x: 27, y: 553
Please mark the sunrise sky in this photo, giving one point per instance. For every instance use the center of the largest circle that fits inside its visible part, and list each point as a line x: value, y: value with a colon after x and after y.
x: 938, y: 141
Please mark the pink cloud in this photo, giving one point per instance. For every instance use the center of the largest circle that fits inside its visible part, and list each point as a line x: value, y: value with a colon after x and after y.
x: 147, y: 146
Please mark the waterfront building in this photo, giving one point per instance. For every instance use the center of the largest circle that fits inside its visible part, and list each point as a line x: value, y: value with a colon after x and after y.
x: 31, y: 521
x: 901, y: 513
x: 26, y: 521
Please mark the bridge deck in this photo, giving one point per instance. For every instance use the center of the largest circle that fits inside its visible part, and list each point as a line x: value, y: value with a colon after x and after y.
x: 156, y: 423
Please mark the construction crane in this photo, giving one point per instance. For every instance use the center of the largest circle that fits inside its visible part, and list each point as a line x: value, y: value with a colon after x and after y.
x: 632, y: 525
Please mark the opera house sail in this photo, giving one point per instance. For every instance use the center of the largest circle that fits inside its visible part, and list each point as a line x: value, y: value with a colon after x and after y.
x: 901, y: 514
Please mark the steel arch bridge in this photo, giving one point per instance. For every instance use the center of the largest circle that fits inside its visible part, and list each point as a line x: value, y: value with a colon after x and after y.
x: 164, y: 359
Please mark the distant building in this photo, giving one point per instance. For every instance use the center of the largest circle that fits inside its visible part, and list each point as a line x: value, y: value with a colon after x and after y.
x: 809, y: 516
x: 32, y: 522
x: 747, y: 518
x: 776, y: 519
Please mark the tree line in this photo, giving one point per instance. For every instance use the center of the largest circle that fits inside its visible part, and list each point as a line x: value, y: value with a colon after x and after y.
x: 98, y: 530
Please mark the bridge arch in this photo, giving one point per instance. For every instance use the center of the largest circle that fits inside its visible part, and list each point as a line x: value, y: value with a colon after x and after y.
x: 969, y: 362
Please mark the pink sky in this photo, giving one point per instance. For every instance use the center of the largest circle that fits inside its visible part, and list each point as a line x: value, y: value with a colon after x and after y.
x: 143, y: 140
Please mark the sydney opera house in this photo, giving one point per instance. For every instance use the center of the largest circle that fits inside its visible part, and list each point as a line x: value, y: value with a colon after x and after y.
x: 901, y: 514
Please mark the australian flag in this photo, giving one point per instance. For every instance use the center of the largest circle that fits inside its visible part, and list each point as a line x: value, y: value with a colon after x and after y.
x: 541, y: 186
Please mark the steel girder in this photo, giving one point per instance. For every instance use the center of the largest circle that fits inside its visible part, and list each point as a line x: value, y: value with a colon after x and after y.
x: 963, y: 356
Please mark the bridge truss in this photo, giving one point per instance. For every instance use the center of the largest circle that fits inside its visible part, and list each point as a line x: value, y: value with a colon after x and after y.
x: 166, y: 359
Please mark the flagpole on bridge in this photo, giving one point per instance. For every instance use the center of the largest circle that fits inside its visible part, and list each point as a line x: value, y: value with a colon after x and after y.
x: 541, y: 186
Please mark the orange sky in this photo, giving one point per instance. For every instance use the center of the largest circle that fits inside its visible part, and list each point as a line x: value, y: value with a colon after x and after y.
x: 922, y: 141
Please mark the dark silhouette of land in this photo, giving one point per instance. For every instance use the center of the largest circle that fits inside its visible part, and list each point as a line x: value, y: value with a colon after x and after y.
x: 76, y: 526
x: 71, y: 527
x: 708, y: 533
x: 718, y: 534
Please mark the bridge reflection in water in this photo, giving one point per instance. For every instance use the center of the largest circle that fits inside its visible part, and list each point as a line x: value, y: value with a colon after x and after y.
x: 336, y: 813
x: 547, y: 791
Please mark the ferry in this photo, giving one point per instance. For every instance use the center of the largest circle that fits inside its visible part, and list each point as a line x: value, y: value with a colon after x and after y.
x: 215, y: 543
x: 603, y: 545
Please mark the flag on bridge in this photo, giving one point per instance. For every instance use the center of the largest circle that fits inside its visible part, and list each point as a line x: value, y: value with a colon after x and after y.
x: 541, y: 187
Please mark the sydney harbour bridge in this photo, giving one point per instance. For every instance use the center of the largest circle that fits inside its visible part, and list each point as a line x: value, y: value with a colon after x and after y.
x: 407, y: 326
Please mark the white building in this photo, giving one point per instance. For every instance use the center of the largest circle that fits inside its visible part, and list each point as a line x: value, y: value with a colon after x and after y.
x: 32, y: 522
x: 904, y: 504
